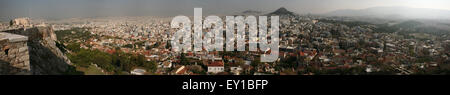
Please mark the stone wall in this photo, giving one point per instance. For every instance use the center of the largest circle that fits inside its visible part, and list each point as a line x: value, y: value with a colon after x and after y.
x: 14, y: 54
x: 45, y: 57
x: 35, y: 33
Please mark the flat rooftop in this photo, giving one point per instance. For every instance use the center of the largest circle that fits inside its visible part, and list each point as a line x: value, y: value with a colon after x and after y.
x: 12, y: 37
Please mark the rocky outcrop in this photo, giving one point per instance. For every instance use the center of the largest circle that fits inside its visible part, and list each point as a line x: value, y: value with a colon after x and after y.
x: 45, y: 57
x: 20, y: 22
x: 282, y: 12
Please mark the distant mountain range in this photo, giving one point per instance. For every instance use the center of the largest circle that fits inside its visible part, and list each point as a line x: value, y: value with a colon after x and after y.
x: 394, y: 13
x: 249, y: 12
x: 280, y: 12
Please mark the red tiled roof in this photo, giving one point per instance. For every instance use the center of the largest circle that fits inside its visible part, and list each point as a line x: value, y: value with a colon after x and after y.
x: 190, y: 54
x: 293, y: 54
x: 339, y: 51
x: 111, y: 51
x: 302, y: 53
x: 216, y: 64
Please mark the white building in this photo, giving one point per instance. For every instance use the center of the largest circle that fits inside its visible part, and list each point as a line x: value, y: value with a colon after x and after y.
x: 216, y: 67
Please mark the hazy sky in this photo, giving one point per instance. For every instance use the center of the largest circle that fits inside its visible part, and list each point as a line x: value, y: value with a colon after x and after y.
x: 9, y: 8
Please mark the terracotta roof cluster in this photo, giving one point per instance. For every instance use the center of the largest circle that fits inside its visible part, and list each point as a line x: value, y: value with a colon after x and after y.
x: 216, y: 64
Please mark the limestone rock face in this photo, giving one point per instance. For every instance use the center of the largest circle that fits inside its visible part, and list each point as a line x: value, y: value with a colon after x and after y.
x: 21, y: 22
x: 45, y: 57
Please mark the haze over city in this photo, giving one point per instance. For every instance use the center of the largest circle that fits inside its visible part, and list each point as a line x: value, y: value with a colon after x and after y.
x: 76, y: 8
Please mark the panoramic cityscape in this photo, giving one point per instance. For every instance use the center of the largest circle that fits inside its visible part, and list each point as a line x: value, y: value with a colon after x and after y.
x: 377, y: 39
